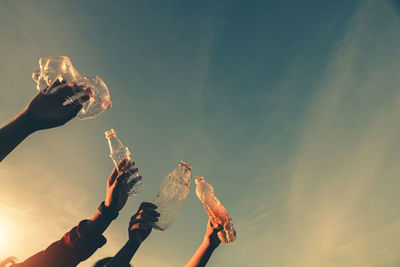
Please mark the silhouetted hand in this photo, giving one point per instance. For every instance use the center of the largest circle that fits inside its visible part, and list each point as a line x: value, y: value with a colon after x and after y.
x: 142, y: 222
x: 211, y: 238
x: 47, y: 111
x: 117, y: 187
x: 207, y: 247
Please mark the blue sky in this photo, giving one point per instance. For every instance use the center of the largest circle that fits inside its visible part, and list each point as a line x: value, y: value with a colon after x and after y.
x: 289, y: 108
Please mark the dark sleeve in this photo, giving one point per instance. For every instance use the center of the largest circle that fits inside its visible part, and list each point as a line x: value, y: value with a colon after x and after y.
x: 75, y: 246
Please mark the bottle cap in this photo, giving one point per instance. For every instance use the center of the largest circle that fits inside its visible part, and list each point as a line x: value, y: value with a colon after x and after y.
x: 109, y: 133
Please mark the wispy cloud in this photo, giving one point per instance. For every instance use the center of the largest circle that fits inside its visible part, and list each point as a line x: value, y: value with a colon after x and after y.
x: 346, y: 145
x: 337, y: 209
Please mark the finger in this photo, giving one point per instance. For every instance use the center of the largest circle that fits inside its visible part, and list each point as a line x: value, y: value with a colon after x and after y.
x: 124, y: 172
x: 151, y: 212
x: 131, y: 169
x: 149, y: 225
x: 115, y: 172
x: 57, y: 83
x: 63, y: 92
x: 216, y: 230
x: 72, y: 113
x: 84, y: 98
x: 66, y: 97
x: 133, y: 218
x: 135, y: 221
x: 140, y: 226
x: 120, y: 170
x: 82, y: 87
x: 147, y: 217
x: 128, y: 167
x: 123, y: 162
x: 71, y: 94
x: 134, y: 181
x: 121, y: 176
x: 85, y: 92
x: 125, y: 187
x: 144, y: 205
x: 145, y: 226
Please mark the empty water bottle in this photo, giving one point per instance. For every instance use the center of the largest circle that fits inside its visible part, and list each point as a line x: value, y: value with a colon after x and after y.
x: 171, y: 194
x: 117, y: 152
x: 217, y: 213
x: 60, y: 68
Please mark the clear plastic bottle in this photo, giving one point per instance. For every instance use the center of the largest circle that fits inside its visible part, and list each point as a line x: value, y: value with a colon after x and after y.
x: 171, y: 194
x: 215, y: 210
x: 60, y: 68
x: 117, y: 152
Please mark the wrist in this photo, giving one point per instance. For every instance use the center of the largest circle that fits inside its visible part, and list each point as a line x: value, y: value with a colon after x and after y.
x: 107, y: 203
x: 208, y: 245
x: 26, y: 123
x: 107, y: 211
x: 133, y: 243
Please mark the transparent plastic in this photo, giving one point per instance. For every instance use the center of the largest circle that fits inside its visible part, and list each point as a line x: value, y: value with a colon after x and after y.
x: 215, y: 210
x: 171, y: 194
x: 60, y: 68
x: 117, y: 152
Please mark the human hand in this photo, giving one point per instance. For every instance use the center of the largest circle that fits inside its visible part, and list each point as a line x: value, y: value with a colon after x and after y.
x: 47, y: 111
x: 117, y: 186
x: 211, y: 238
x: 142, y: 222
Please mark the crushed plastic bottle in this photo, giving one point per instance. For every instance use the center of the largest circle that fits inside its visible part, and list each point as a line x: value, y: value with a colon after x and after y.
x: 215, y: 210
x: 117, y: 152
x: 171, y: 194
x: 60, y: 68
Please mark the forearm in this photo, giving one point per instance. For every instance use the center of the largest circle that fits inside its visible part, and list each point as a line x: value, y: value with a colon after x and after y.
x: 75, y: 246
x: 12, y: 134
x: 201, y: 256
x: 99, y: 223
x: 124, y: 255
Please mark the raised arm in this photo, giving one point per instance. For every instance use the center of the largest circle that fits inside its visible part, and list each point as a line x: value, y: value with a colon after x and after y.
x: 140, y: 227
x: 43, y: 112
x: 116, y: 197
x: 207, y: 247
x: 83, y: 240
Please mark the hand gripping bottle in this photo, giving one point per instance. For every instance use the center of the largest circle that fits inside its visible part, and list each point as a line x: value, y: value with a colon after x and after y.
x: 171, y: 194
x: 215, y: 210
x: 60, y: 68
x: 117, y: 152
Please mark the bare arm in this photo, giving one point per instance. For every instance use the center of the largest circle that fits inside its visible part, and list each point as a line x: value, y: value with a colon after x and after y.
x: 116, y: 197
x: 12, y: 134
x: 124, y: 255
x: 83, y: 240
x: 43, y: 112
x: 207, y: 247
x: 140, y: 228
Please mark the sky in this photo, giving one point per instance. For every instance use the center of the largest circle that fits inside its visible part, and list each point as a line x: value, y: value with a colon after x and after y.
x: 288, y: 108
